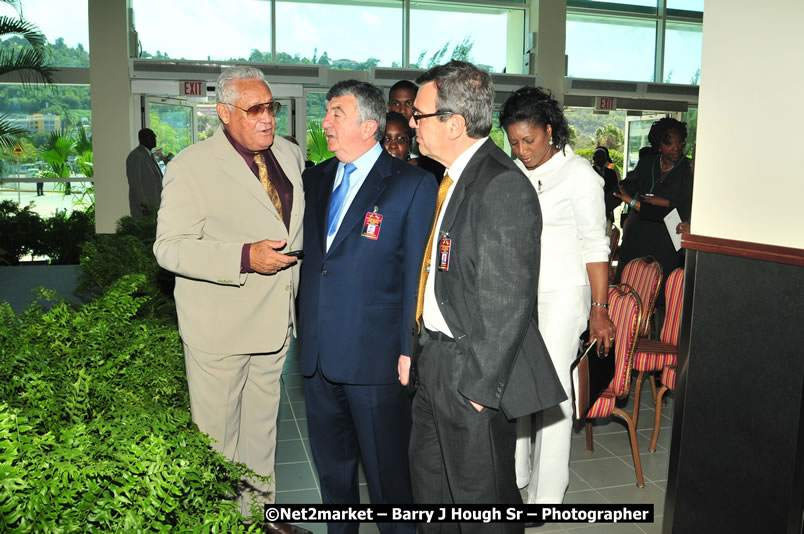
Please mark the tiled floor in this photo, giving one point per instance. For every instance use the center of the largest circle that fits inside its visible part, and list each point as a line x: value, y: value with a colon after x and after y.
x: 604, y: 476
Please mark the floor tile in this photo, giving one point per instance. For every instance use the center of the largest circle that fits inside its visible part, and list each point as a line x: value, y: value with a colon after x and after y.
x: 290, y: 451
x: 578, y: 449
x: 619, y: 444
x: 303, y: 428
x: 576, y: 483
x: 299, y: 409
x: 295, y: 394
x: 287, y: 430
x: 603, y: 528
x: 294, y: 477
x: 315, y: 528
x: 650, y: 494
x: 307, y: 496
x: 604, y: 472
x: 293, y: 380
x: 651, y: 528
x: 285, y: 413
x: 584, y: 497
x: 654, y: 465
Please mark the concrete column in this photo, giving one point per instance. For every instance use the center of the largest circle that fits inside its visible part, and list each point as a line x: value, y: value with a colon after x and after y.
x: 113, y: 124
x: 549, y: 19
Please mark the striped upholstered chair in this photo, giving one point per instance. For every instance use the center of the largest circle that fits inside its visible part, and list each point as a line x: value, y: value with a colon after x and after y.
x: 625, y: 311
x: 668, y: 383
x: 644, y: 275
x: 652, y: 355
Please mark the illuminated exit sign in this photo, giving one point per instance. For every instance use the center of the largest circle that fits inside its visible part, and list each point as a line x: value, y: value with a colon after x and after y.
x: 192, y: 88
x: 605, y: 103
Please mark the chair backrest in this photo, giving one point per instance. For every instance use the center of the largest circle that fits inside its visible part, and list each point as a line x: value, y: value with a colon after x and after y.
x: 644, y: 275
x: 673, y: 297
x: 625, y: 311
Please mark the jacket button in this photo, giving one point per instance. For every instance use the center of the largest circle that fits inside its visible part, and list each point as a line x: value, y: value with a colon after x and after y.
x: 323, y: 272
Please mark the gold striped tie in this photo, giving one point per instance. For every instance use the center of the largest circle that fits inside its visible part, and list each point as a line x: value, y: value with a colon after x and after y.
x: 428, y: 252
x: 273, y: 194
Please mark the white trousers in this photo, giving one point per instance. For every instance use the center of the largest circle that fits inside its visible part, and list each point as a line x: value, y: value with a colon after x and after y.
x: 234, y: 398
x: 543, y: 440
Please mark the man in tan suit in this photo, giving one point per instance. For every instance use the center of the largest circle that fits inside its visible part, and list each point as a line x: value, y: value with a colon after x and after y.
x: 231, y: 206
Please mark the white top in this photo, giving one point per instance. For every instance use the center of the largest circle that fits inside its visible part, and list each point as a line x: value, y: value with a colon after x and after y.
x: 573, y: 219
x: 431, y: 315
x: 363, y: 166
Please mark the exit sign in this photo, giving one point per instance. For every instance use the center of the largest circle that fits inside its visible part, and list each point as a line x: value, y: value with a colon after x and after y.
x: 192, y: 88
x: 605, y: 103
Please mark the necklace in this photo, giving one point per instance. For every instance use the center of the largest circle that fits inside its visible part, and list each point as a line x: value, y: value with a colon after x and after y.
x: 663, y: 173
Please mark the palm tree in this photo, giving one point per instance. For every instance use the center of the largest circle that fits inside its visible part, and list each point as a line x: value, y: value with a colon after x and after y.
x: 29, y: 62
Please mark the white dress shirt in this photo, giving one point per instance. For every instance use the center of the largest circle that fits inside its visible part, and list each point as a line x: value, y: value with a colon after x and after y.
x: 431, y: 315
x: 363, y: 166
x: 573, y: 219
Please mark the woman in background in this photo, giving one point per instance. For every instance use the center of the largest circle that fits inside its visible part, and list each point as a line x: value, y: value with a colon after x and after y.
x: 661, y: 182
x: 573, y: 276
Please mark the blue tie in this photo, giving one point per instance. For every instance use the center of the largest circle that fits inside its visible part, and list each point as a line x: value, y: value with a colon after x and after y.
x: 338, y: 198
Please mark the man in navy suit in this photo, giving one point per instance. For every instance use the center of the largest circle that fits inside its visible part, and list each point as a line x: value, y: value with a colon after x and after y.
x: 365, y: 227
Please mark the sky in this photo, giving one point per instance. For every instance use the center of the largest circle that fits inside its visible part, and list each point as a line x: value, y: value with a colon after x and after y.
x: 220, y: 29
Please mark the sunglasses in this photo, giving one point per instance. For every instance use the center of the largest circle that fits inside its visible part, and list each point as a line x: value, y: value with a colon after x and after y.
x: 418, y: 117
x: 257, y: 109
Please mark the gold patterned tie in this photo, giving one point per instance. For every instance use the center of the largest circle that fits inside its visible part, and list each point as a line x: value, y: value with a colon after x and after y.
x: 428, y: 252
x: 273, y: 194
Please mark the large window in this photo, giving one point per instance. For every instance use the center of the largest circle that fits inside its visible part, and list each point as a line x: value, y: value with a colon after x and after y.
x: 217, y: 30
x: 618, y: 40
x: 682, y: 53
x: 613, y: 48
x: 54, y: 151
x: 441, y: 31
x: 64, y: 24
x: 353, y: 35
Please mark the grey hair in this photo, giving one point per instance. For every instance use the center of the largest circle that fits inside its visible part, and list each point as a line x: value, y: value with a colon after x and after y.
x: 466, y: 90
x: 224, y: 88
x: 370, y: 102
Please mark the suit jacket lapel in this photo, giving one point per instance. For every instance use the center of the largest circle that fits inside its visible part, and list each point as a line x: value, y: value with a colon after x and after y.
x: 233, y: 166
x: 323, y: 192
x: 468, y: 176
x: 365, y: 199
x: 286, y: 162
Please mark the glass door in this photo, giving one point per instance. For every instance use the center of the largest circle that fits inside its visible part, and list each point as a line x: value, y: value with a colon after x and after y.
x: 173, y: 122
x: 636, y: 137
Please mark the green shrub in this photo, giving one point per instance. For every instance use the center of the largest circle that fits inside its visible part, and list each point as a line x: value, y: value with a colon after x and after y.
x: 107, y: 257
x: 95, y: 428
x: 22, y: 232
x: 66, y: 233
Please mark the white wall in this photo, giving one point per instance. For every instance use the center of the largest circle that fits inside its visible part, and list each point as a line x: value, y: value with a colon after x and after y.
x: 749, y: 172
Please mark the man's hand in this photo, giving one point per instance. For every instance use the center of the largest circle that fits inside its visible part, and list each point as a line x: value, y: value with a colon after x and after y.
x: 265, y: 259
x: 403, y: 368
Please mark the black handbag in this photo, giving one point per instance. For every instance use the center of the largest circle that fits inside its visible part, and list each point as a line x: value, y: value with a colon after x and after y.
x: 590, y: 373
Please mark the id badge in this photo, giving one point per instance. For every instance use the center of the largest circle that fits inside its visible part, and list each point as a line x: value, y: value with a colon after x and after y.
x: 372, y: 225
x: 444, y: 249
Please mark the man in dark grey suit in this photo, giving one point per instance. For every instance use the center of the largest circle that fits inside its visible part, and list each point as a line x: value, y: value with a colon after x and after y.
x: 479, y: 361
x: 144, y: 176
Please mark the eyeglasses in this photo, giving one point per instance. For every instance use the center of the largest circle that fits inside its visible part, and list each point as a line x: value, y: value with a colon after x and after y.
x: 257, y: 109
x: 400, y: 139
x: 417, y: 117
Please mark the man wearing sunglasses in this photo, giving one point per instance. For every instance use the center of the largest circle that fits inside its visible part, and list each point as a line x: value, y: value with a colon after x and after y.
x: 478, y: 359
x: 231, y: 206
x: 365, y: 228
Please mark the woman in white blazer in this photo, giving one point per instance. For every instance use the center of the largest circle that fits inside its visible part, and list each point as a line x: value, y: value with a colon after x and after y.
x: 573, y: 281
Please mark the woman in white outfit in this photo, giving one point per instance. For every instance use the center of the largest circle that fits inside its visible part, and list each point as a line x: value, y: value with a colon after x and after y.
x: 573, y: 275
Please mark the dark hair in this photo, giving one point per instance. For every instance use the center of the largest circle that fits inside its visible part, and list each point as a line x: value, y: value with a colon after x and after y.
x: 605, y: 152
x: 370, y: 102
x: 395, y: 116
x: 465, y: 90
x: 145, y: 134
x: 661, y: 129
x: 538, y: 107
x: 403, y: 84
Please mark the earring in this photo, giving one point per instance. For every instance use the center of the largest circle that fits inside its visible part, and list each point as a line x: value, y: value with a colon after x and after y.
x: 550, y: 142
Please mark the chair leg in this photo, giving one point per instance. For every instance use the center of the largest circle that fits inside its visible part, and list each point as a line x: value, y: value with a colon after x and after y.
x: 637, y: 393
x: 657, y: 421
x: 634, y: 446
x: 652, y: 378
x: 590, y: 446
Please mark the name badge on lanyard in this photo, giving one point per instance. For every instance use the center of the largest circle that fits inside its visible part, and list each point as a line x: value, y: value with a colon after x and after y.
x: 444, y: 250
x: 372, y: 224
